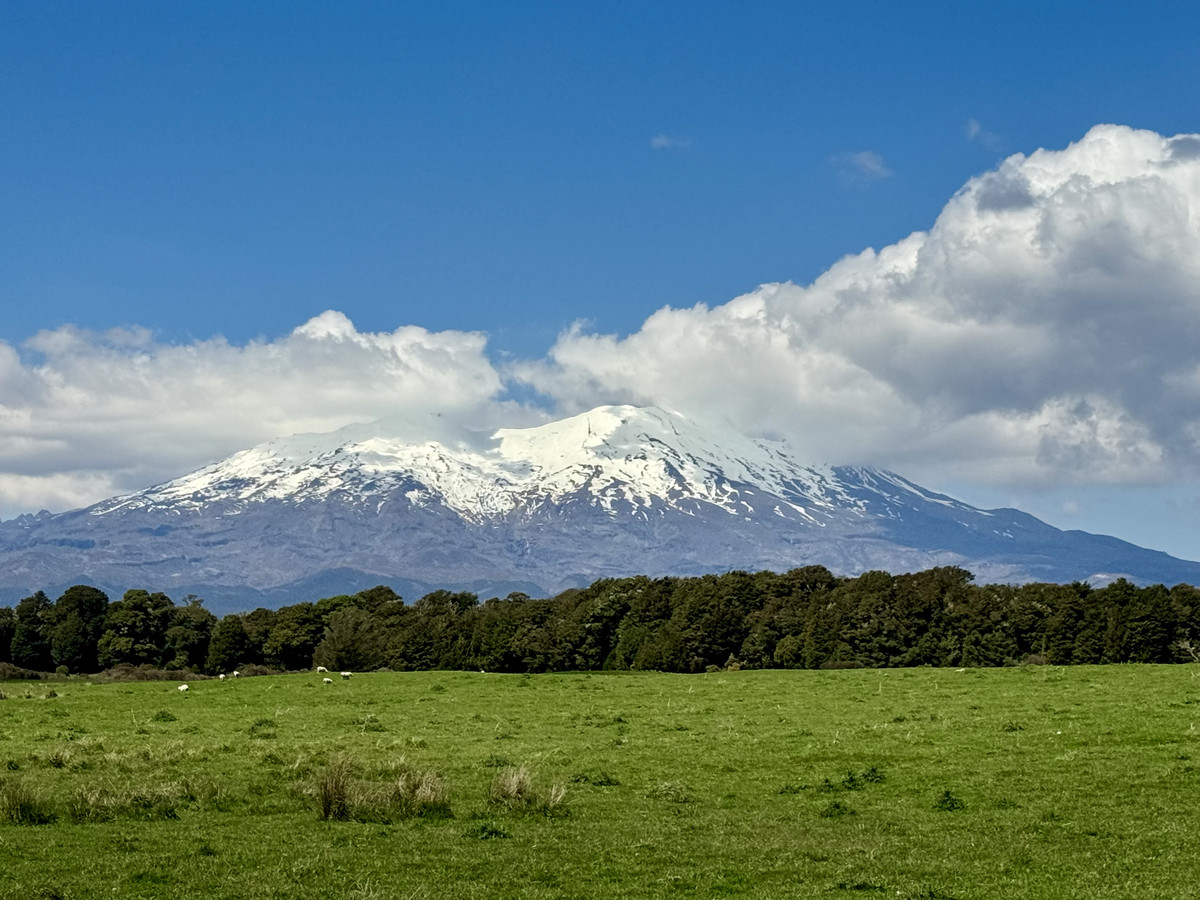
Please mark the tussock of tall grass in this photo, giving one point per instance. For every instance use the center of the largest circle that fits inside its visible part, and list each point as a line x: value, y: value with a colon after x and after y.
x: 21, y: 805
x: 97, y: 801
x: 409, y: 793
x: 65, y: 757
x: 334, y: 787
x: 513, y: 789
x: 671, y: 791
x: 102, y: 803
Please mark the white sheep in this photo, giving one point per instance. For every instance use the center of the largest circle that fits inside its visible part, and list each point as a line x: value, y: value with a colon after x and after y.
x: 327, y: 680
x: 347, y: 674
x: 321, y: 669
x: 221, y: 677
x: 237, y: 674
x: 182, y: 687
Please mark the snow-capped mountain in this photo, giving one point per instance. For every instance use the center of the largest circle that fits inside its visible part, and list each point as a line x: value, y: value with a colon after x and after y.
x: 615, y: 491
x: 619, y: 459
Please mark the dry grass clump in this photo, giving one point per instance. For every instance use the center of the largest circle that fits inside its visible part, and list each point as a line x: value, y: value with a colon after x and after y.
x: 333, y: 789
x: 424, y: 793
x: 21, y: 805
x: 168, y: 754
x: 513, y: 789
x: 64, y: 758
x: 102, y: 803
x: 671, y: 791
x: 410, y: 793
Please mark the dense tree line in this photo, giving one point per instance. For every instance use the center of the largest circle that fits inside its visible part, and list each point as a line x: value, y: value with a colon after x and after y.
x: 805, y: 618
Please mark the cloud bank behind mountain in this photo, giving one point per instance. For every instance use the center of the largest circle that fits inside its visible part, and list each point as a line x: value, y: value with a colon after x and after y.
x: 1044, y: 330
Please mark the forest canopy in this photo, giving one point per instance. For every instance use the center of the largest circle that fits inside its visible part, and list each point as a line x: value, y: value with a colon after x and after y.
x: 803, y: 618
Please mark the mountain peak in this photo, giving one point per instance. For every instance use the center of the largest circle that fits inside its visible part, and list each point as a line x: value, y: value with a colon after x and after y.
x: 616, y: 490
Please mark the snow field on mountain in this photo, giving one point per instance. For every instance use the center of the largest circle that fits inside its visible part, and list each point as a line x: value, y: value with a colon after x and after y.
x: 614, y: 454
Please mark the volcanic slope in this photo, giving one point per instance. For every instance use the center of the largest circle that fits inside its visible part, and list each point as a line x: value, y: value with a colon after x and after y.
x: 615, y: 491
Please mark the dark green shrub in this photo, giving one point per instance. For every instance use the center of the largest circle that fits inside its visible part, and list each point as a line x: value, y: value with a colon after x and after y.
x: 600, y: 779
x: 486, y: 831
x: 947, y: 802
x: 837, y: 809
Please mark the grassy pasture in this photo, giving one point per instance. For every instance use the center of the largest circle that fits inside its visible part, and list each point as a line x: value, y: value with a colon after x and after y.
x: 923, y: 783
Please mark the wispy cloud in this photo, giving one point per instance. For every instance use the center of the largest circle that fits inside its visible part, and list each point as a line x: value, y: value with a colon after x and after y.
x: 976, y: 132
x: 662, y: 141
x: 863, y: 167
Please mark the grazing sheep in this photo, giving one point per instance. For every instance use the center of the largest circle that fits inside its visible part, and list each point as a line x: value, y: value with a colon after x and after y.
x: 321, y: 669
x: 237, y: 674
x: 182, y: 687
x: 221, y: 677
x: 347, y: 674
x: 327, y: 680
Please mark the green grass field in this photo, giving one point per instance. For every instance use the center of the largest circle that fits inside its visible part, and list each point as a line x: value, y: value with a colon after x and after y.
x: 931, y: 783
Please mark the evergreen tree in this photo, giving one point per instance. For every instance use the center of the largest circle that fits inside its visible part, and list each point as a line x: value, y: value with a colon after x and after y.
x: 1117, y: 600
x: 229, y: 645
x: 135, y: 631
x: 352, y: 642
x: 79, y: 620
x: 1185, y: 613
x: 1066, y: 623
x: 376, y: 600
x: 490, y: 638
x: 189, y: 635
x: 1150, y: 627
x: 649, y: 609
x: 667, y: 651
x: 258, y: 624
x: 8, y: 625
x: 30, y: 646
x: 435, y: 634
x: 789, y: 652
x: 294, y: 637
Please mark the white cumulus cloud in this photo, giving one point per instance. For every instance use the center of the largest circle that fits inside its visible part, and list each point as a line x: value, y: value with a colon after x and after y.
x: 1046, y: 328
x: 86, y: 415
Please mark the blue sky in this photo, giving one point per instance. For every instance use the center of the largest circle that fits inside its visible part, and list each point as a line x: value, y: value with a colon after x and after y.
x: 188, y: 171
